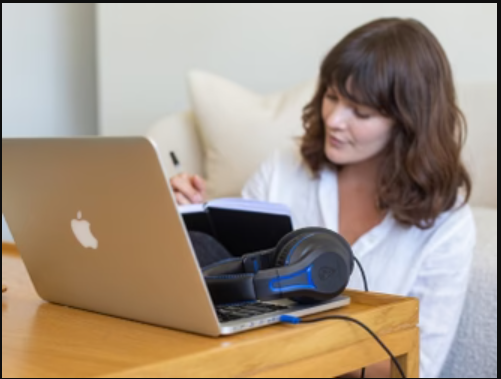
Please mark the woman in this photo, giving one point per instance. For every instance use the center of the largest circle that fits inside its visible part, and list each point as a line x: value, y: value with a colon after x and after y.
x: 380, y: 163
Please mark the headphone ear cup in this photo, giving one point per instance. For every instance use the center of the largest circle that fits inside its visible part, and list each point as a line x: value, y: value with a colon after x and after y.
x: 283, y: 256
x: 316, y: 240
x: 292, y: 236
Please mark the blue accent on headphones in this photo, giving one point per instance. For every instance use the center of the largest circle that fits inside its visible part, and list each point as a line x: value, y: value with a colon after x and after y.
x: 256, y: 265
x: 293, y: 287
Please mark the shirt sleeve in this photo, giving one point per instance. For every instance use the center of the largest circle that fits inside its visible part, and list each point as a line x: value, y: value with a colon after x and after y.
x: 441, y: 287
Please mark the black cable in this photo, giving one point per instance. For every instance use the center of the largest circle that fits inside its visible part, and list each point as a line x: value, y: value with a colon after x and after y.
x: 362, y: 375
x: 366, y: 284
x: 366, y: 287
x: 296, y: 320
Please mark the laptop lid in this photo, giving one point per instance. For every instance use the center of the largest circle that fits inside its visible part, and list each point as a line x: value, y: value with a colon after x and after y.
x: 96, y: 224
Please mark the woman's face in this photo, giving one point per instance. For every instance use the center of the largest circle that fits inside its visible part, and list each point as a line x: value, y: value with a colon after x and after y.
x: 353, y: 133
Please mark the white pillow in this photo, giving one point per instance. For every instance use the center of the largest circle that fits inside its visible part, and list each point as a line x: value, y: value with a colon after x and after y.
x: 240, y: 129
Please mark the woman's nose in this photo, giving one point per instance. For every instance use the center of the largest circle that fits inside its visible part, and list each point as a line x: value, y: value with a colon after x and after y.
x: 337, y: 118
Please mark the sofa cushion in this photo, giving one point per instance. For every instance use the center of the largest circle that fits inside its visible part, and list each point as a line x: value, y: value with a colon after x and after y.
x: 240, y: 128
x: 474, y: 351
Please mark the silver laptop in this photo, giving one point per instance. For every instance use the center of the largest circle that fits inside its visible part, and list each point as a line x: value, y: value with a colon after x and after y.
x: 97, y: 226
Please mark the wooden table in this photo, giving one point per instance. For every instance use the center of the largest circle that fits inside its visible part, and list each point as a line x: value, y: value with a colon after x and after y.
x: 45, y: 340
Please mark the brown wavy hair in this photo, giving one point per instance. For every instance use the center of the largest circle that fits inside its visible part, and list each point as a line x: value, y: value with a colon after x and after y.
x: 398, y: 67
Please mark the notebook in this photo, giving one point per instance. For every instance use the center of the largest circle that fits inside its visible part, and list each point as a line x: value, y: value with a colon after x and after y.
x: 242, y: 226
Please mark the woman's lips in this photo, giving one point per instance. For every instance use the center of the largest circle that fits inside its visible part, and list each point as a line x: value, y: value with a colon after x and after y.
x: 336, y: 142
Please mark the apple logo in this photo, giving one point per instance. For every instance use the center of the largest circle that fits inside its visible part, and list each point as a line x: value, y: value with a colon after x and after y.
x: 81, y: 229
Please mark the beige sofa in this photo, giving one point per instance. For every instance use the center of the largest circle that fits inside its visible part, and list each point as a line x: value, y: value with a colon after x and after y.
x: 474, y: 353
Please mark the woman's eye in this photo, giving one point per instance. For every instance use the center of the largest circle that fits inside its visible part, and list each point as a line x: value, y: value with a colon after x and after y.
x: 332, y: 97
x: 359, y: 114
x: 362, y: 115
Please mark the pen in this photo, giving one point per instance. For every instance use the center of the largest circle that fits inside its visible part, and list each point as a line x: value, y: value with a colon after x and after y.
x: 176, y: 163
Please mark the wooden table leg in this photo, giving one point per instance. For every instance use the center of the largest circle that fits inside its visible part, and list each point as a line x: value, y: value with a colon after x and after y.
x: 409, y: 361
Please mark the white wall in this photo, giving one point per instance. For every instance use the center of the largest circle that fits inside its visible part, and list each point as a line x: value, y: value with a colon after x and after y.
x: 145, y: 50
x: 48, y: 71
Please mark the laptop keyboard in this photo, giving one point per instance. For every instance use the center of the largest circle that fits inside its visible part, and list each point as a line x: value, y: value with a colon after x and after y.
x: 229, y: 313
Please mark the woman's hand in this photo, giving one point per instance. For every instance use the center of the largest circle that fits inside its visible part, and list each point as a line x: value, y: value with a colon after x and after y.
x: 188, y: 189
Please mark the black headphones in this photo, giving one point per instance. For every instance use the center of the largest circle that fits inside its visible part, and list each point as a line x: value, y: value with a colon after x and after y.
x: 308, y: 265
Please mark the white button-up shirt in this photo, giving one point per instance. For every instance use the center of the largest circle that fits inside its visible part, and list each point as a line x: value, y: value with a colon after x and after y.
x: 432, y: 265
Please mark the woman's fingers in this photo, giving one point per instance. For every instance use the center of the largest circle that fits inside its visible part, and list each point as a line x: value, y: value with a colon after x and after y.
x: 199, y: 184
x: 182, y: 184
x: 181, y: 199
